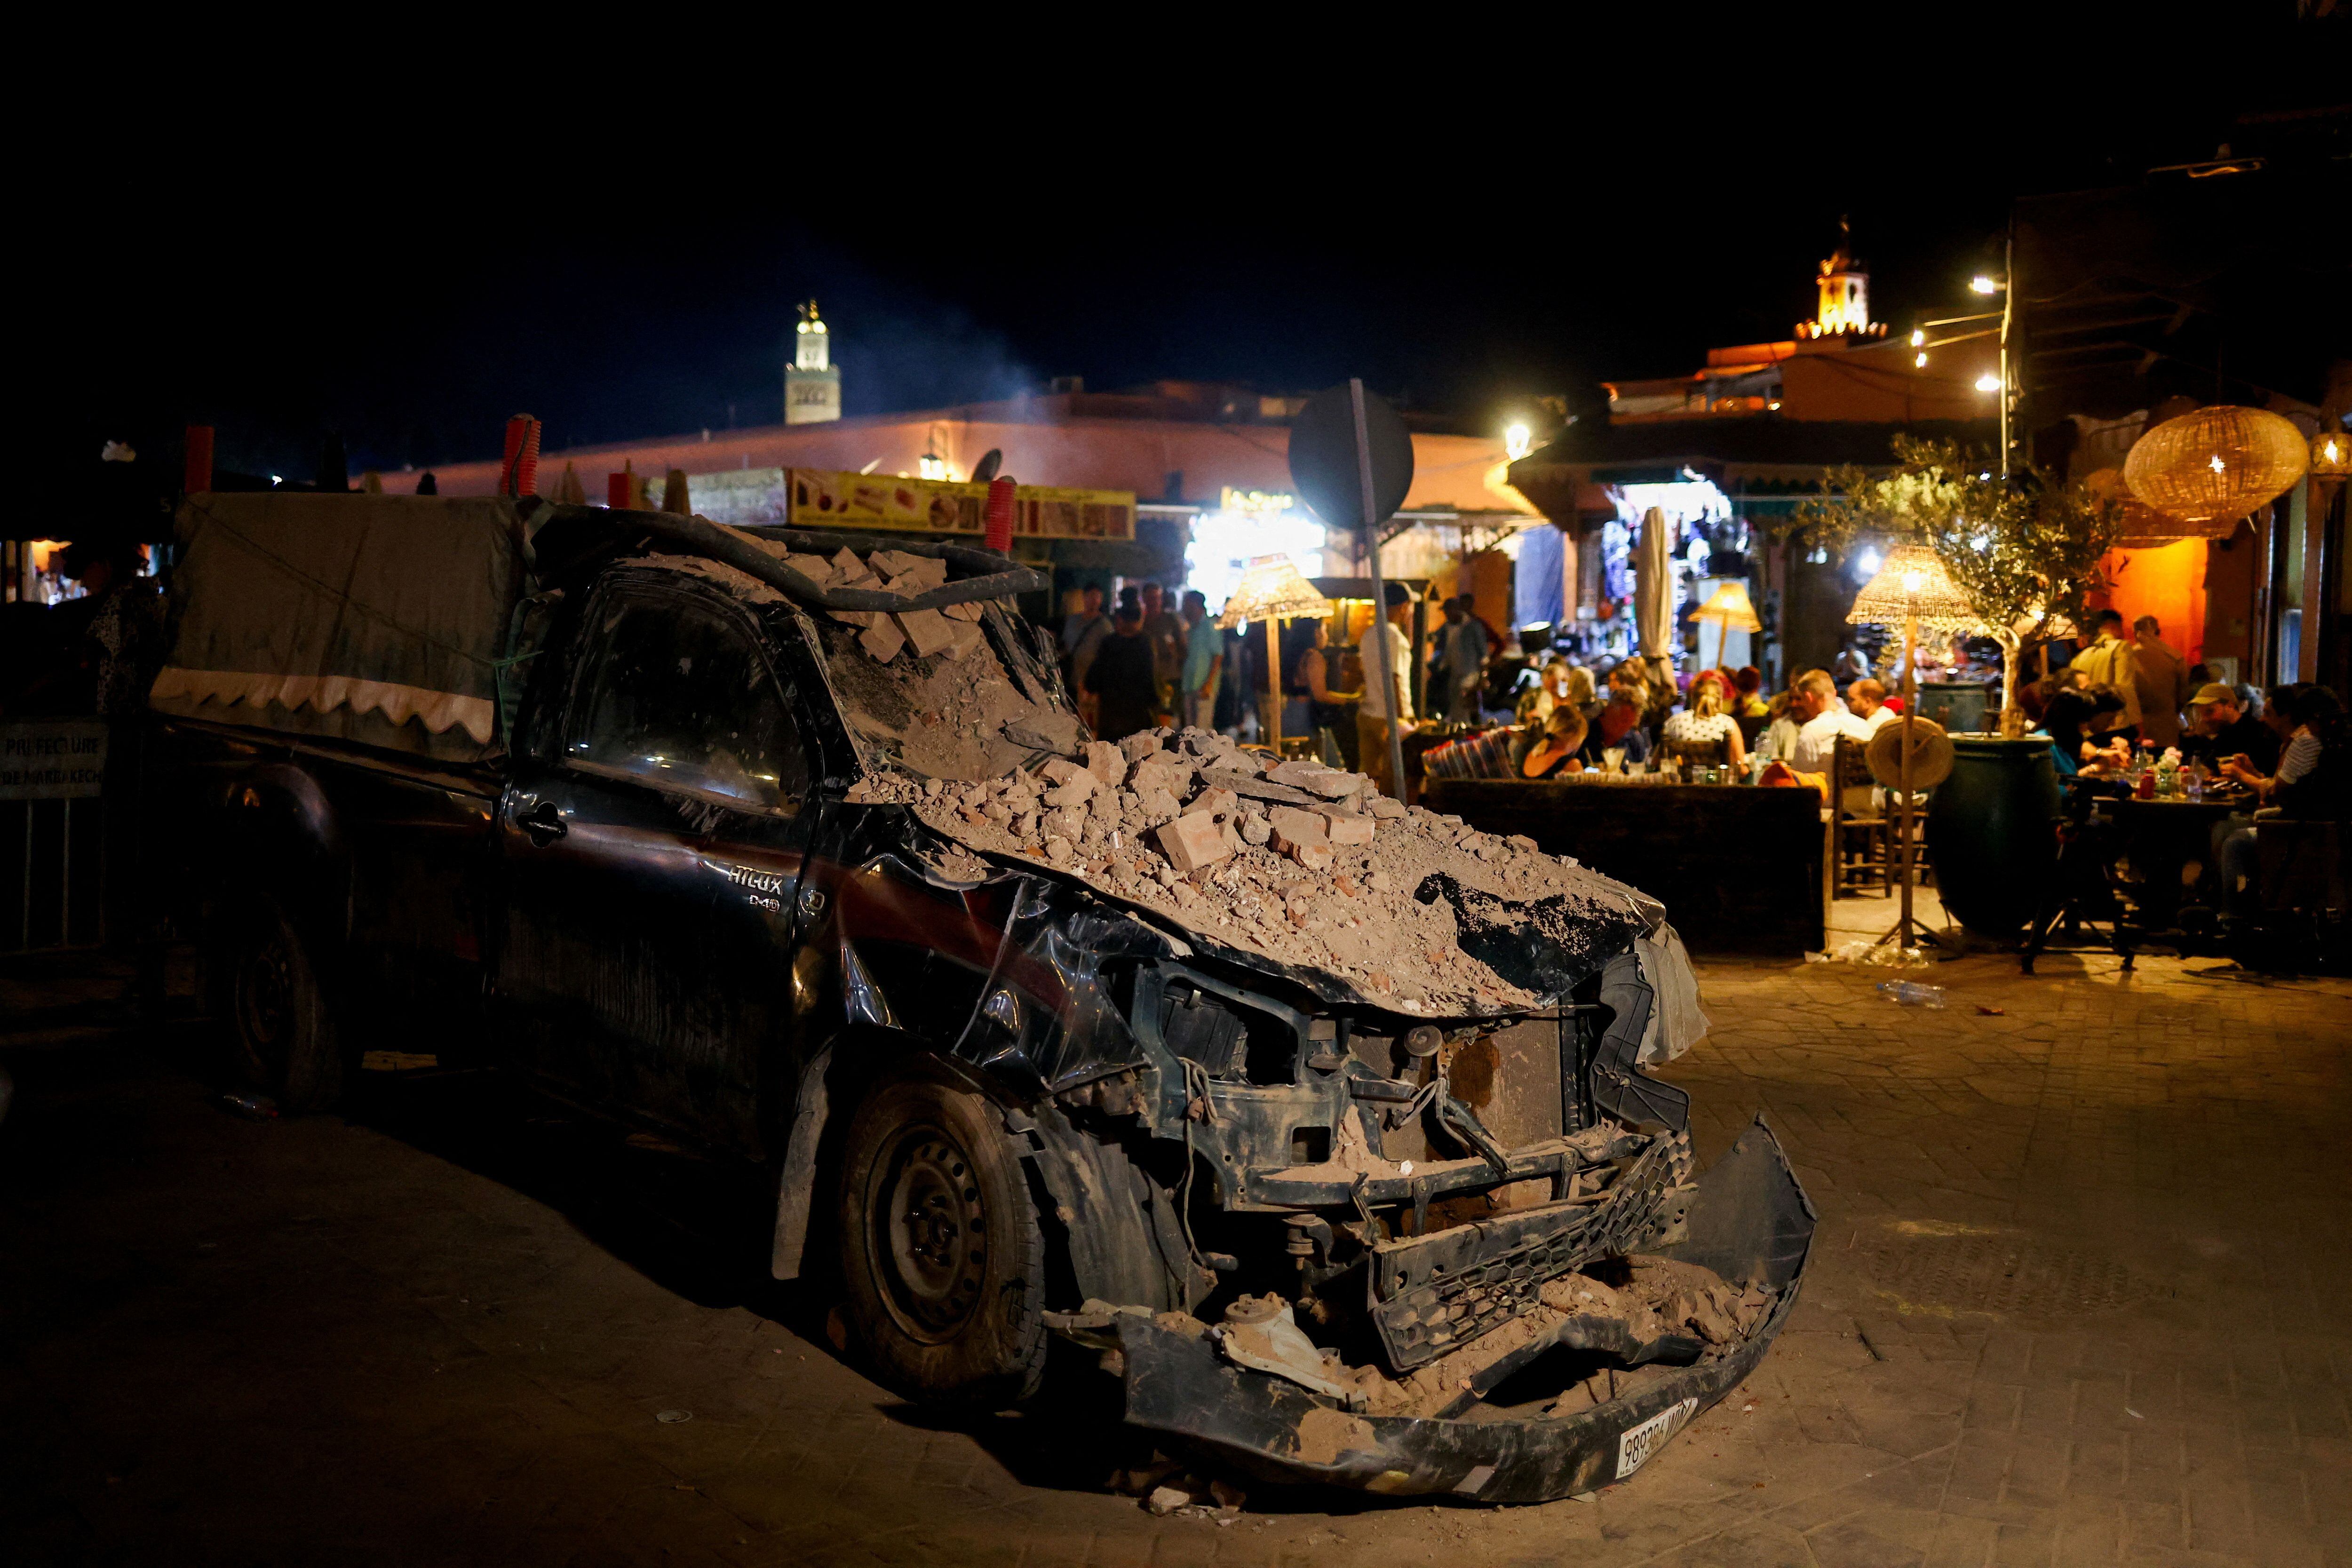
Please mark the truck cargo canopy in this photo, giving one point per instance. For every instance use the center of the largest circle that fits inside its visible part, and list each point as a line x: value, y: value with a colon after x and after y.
x: 376, y: 619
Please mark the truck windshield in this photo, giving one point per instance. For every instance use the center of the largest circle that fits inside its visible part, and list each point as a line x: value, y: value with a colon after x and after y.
x: 970, y: 710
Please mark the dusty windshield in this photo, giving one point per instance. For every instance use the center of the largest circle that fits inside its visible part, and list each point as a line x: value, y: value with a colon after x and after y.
x: 959, y: 693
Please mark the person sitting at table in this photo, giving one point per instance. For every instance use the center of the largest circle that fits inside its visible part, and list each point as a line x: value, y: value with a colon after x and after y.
x: 1820, y: 718
x: 1311, y: 678
x: 1619, y: 723
x: 1555, y: 753
x: 2288, y: 713
x: 2067, y: 719
x: 1702, y: 734
x: 1747, y: 687
x: 1550, y: 690
x: 2220, y: 728
x: 2314, y: 783
x: 1868, y: 700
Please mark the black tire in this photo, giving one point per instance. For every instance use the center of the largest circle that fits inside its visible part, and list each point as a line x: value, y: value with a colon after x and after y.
x: 282, y: 1034
x: 941, y: 1259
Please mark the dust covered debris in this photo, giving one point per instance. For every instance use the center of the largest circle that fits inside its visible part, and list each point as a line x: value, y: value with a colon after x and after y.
x: 1307, y: 866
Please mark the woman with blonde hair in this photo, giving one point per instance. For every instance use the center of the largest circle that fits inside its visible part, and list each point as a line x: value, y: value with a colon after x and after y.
x: 1702, y: 734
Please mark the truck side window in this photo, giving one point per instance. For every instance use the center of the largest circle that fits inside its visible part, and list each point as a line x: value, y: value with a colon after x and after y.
x: 677, y: 697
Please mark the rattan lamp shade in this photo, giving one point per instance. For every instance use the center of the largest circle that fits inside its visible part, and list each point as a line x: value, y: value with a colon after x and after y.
x: 1913, y: 585
x: 1272, y: 589
x: 1730, y: 605
x: 2144, y: 527
x: 2216, y: 464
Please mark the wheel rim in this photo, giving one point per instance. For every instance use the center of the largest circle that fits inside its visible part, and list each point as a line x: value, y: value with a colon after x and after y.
x: 929, y: 1234
x: 264, y: 1001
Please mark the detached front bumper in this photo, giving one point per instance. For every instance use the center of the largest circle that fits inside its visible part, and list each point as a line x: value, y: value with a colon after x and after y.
x: 1749, y: 1221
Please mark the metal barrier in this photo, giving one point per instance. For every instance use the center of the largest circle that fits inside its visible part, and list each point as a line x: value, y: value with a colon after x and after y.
x: 52, y: 835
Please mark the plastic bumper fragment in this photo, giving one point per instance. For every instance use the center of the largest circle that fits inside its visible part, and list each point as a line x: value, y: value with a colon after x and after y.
x: 1749, y: 1221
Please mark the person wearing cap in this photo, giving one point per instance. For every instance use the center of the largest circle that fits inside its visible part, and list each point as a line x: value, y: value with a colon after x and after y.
x: 2219, y: 728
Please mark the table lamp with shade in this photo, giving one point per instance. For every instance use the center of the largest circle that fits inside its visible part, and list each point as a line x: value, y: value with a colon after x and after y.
x: 1272, y: 590
x: 1911, y: 590
x: 1731, y: 610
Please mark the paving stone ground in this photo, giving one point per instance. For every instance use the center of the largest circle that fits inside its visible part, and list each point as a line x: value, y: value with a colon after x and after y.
x: 2078, y: 1297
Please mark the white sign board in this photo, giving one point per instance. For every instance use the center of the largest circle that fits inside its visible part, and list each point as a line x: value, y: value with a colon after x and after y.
x: 52, y: 758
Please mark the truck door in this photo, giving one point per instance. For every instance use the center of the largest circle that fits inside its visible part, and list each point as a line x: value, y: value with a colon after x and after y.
x: 651, y: 863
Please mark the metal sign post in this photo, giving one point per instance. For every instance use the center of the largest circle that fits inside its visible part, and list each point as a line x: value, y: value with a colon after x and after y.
x: 1351, y: 457
x: 1372, y: 519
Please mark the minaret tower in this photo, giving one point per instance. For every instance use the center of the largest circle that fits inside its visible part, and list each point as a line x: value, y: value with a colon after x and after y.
x: 1845, y: 296
x: 812, y: 384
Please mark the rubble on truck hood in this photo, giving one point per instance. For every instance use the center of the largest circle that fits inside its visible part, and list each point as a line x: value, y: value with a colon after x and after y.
x: 1298, y: 865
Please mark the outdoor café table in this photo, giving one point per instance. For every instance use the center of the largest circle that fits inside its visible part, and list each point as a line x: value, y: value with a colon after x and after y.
x: 1738, y: 868
x: 2161, y: 835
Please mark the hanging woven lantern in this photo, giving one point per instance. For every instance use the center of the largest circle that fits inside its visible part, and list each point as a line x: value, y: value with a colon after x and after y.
x: 1912, y: 585
x: 2144, y: 527
x: 2217, y: 464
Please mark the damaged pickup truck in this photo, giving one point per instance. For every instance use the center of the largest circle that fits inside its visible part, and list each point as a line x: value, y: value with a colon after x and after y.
x: 1320, y: 1123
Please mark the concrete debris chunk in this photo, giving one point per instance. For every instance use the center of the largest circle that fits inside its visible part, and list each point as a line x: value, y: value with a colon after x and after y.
x: 1139, y: 745
x: 1106, y: 762
x: 1348, y: 831
x: 1220, y: 804
x: 1075, y: 790
x: 1191, y: 843
x: 1385, y: 807
x: 1255, y: 828
x: 815, y: 568
x: 846, y: 565
x: 1331, y: 783
x: 1161, y: 773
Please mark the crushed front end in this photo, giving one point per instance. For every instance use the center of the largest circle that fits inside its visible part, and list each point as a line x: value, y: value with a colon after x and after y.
x: 1467, y: 1257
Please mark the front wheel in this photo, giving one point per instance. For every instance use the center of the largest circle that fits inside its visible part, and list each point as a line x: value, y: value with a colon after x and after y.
x: 284, y: 1036
x: 941, y: 1256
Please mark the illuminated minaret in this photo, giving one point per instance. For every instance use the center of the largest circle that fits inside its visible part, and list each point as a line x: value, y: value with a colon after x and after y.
x: 812, y: 384
x: 1846, y: 295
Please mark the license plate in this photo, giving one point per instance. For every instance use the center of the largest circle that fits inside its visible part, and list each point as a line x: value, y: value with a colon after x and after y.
x: 1645, y: 1438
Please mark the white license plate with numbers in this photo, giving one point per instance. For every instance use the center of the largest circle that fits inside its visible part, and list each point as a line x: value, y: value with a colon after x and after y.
x: 1642, y: 1440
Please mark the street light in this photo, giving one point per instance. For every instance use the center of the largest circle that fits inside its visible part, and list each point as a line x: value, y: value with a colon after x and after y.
x: 1982, y: 284
x: 1989, y: 382
x: 1518, y: 442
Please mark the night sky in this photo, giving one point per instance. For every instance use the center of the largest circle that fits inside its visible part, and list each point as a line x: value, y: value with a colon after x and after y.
x: 1493, y: 228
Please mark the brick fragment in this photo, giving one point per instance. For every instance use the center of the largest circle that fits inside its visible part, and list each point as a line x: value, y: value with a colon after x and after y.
x: 882, y: 640
x: 1139, y: 745
x: 1191, y: 843
x: 927, y: 630
x: 1295, y: 830
x: 1220, y: 804
x: 1348, y: 830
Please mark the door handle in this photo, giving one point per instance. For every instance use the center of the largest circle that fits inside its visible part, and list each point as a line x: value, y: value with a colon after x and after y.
x: 544, y: 823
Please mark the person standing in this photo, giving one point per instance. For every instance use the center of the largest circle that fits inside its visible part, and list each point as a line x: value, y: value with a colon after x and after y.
x: 2162, y: 679
x: 1126, y: 694
x: 1386, y: 650
x: 1082, y: 638
x: 1164, y: 629
x: 2108, y: 662
x: 1466, y: 648
x: 1204, y: 656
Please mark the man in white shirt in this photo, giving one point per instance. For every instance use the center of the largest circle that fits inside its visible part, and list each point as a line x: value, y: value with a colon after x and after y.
x: 1866, y: 701
x: 1372, y: 713
x: 1819, y: 724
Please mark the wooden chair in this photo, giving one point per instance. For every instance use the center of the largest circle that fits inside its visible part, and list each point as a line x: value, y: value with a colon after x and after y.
x: 1861, y: 833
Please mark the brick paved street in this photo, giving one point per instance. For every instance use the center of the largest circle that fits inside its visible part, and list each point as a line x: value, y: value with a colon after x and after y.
x: 2079, y: 1297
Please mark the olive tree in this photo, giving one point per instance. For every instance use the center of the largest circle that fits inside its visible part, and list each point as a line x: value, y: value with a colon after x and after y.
x: 2025, y: 549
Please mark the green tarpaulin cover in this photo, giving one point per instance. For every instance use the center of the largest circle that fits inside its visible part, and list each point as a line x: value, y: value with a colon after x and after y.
x: 378, y: 619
